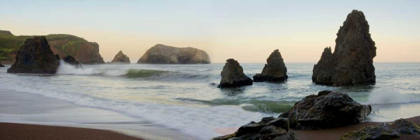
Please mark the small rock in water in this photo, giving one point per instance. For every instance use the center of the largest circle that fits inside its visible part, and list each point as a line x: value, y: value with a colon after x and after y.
x: 328, y: 109
x: 274, y: 71
x: 384, y: 131
x: 121, y: 58
x: 233, y: 75
x: 70, y: 60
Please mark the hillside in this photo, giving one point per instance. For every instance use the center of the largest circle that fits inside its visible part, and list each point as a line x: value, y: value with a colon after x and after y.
x: 61, y: 44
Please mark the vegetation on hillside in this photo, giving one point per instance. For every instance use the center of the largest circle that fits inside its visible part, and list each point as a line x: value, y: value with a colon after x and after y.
x: 10, y: 44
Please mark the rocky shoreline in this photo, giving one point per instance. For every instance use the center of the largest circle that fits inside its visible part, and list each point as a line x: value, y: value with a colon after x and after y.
x: 326, y: 111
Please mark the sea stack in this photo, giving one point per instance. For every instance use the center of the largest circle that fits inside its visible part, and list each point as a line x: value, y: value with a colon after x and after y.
x: 328, y: 109
x: 121, y: 58
x: 274, y: 71
x: 162, y: 54
x: 35, y: 56
x: 352, y: 60
x: 233, y: 75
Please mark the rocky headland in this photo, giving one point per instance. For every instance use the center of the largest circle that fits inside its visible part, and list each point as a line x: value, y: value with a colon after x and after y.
x: 233, y: 75
x: 121, y: 58
x: 35, y: 56
x: 62, y: 44
x: 352, y: 60
x: 162, y: 54
x: 274, y: 71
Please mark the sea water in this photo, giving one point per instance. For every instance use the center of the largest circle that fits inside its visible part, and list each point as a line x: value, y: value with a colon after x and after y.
x: 186, y: 97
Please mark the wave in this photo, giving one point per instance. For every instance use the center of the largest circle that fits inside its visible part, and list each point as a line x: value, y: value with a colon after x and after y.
x: 253, y: 105
x: 67, y: 69
x: 389, y: 96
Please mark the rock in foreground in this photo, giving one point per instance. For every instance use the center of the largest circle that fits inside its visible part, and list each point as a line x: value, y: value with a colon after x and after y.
x: 233, y: 75
x: 352, y: 60
x: 384, y: 131
x: 35, y: 56
x: 274, y: 71
x: 268, y: 128
x: 328, y: 109
x: 162, y: 54
x: 121, y: 58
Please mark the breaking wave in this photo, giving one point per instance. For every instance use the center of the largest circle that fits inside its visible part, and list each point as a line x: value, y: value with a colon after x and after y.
x: 388, y: 96
x: 67, y: 69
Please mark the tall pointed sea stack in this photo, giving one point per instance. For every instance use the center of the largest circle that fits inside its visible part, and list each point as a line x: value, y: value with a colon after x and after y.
x: 35, y: 56
x: 274, y: 71
x: 352, y: 60
x: 233, y: 75
x: 121, y: 58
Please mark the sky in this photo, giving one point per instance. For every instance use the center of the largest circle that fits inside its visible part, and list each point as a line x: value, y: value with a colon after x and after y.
x: 246, y: 30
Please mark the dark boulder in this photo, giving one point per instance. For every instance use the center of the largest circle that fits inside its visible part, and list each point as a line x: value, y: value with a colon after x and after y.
x: 57, y: 57
x: 274, y: 71
x: 1, y: 65
x: 352, y: 60
x: 384, y: 131
x: 72, y: 61
x: 35, y: 56
x: 233, y: 75
x: 268, y: 128
x: 326, y: 110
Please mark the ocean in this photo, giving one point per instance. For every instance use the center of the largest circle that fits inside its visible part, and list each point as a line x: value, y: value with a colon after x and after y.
x: 186, y: 97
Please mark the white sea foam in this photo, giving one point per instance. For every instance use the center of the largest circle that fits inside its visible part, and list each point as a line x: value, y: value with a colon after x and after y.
x: 67, y: 69
x: 389, y: 96
x: 200, y: 122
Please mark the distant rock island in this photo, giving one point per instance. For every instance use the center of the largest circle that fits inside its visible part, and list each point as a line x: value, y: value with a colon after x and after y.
x: 162, y: 54
x: 35, y: 56
x: 352, y: 60
x: 62, y: 44
x: 121, y: 58
x: 274, y: 71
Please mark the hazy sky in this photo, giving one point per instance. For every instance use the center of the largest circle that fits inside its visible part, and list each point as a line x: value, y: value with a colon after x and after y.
x: 245, y: 30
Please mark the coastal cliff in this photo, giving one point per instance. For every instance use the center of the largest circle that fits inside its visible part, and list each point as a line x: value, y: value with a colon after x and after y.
x: 352, y: 60
x: 162, y: 54
x: 61, y: 44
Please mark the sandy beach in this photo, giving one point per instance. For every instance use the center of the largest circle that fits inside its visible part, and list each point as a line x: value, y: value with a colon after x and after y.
x: 12, y: 131
x: 31, y: 116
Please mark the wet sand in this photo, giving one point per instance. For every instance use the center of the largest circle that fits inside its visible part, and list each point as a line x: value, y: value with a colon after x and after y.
x: 334, y: 134
x: 13, y: 131
x: 23, y: 112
